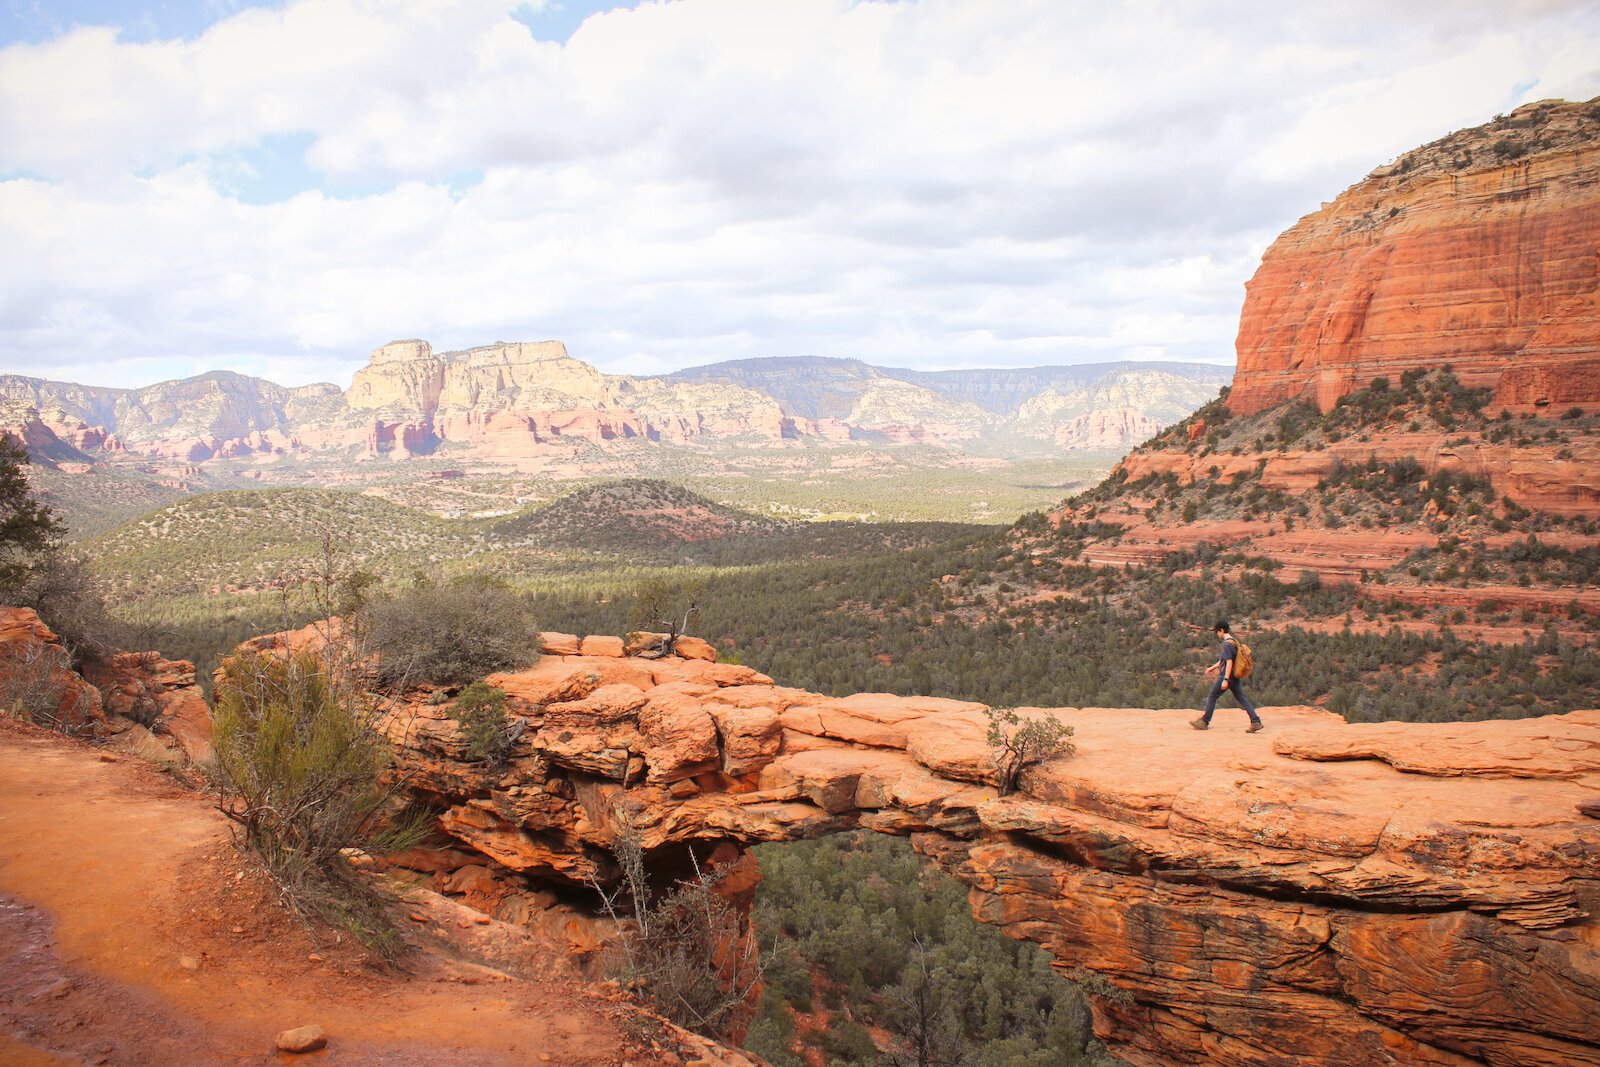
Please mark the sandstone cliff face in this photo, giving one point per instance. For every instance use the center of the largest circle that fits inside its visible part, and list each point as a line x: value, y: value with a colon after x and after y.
x: 1481, y: 250
x: 48, y: 445
x: 1347, y: 895
x: 1120, y: 410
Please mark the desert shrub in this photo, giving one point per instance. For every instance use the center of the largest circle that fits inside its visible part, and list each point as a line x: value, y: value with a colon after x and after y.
x: 69, y: 599
x: 684, y: 949
x: 1017, y: 745
x: 659, y: 607
x: 450, y: 633
x: 299, y: 769
x: 487, y: 730
x: 849, y: 1041
x: 31, y: 687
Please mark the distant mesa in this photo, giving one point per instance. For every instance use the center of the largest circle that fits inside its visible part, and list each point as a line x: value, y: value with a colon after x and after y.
x: 513, y: 402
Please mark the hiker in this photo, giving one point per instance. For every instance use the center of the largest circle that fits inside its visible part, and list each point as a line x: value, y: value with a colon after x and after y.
x: 1231, y: 668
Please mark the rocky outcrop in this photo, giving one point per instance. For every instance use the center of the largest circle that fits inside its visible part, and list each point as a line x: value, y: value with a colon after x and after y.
x: 37, y: 680
x: 1560, y: 479
x: 1328, y: 893
x: 1478, y: 250
x: 162, y: 694
x: 130, y: 693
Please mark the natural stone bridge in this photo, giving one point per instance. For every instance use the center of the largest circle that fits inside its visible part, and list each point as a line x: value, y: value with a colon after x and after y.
x: 1319, y: 893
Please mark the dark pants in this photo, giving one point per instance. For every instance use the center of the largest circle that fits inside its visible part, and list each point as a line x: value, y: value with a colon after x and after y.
x: 1238, y: 694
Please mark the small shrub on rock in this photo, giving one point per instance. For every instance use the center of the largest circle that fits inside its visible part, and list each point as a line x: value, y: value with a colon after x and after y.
x: 1017, y: 745
x: 450, y: 633
x: 487, y: 730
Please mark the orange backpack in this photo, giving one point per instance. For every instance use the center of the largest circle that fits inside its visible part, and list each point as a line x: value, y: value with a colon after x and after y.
x: 1244, y: 661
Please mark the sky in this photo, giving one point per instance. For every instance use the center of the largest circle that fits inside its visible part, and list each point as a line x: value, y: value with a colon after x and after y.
x: 280, y: 188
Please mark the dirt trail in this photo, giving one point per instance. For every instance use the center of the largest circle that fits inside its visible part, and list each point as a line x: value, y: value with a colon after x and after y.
x: 131, y: 933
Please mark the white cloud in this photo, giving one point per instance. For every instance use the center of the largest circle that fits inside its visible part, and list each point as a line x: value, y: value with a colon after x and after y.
x: 934, y: 182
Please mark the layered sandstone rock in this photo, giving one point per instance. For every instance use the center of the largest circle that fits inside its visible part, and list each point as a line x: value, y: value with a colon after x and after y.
x: 1478, y: 250
x: 1328, y: 893
x: 127, y: 693
x: 1560, y: 479
x: 148, y: 689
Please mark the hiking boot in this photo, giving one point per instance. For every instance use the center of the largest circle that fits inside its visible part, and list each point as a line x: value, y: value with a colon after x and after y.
x: 1253, y: 727
x: 1200, y: 724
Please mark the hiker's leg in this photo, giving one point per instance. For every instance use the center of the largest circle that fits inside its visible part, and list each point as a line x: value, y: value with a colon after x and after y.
x: 1211, y: 701
x: 1244, y: 701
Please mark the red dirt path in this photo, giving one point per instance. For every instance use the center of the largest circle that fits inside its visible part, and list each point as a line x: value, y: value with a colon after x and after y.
x: 111, y: 874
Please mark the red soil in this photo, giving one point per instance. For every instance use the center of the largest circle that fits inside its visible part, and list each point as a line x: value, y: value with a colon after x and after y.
x: 132, y: 932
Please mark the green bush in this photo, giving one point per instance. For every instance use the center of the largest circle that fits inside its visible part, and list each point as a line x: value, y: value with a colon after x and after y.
x: 26, y: 526
x: 450, y: 633
x: 1017, y: 745
x: 35, y: 572
x: 299, y: 770
x: 481, y: 711
x: 69, y: 600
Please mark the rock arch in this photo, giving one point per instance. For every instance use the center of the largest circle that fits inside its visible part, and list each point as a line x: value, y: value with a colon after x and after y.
x: 1328, y: 893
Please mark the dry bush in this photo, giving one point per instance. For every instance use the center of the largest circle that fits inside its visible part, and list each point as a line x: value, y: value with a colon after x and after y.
x: 1015, y: 744
x: 31, y: 686
x: 450, y: 633
x: 684, y: 949
x: 666, y: 609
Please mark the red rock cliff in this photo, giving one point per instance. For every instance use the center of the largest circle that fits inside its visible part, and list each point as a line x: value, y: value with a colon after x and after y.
x: 1481, y: 250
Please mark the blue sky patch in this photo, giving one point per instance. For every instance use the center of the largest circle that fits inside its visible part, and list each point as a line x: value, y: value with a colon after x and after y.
x: 35, y: 21
x: 558, y: 20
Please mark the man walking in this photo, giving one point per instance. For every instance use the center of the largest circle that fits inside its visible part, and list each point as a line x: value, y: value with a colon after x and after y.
x: 1227, y: 679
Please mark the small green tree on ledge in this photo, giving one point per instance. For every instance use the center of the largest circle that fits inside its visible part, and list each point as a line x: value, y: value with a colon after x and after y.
x: 667, y: 609
x: 1017, y: 744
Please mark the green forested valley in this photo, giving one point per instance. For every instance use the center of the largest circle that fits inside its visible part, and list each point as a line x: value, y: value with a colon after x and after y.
x: 866, y: 947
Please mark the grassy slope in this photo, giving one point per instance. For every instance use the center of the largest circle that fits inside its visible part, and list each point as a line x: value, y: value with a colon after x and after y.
x: 92, y: 504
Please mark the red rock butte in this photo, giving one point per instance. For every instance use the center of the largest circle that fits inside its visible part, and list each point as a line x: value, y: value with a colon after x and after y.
x: 1481, y: 250
x: 1318, y: 893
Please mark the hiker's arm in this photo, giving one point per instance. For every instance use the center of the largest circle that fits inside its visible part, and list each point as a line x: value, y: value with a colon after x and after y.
x: 1227, y: 668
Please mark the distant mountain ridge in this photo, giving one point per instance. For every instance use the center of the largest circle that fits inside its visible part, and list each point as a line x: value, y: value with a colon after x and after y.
x: 999, y: 390
x: 521, y: 400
